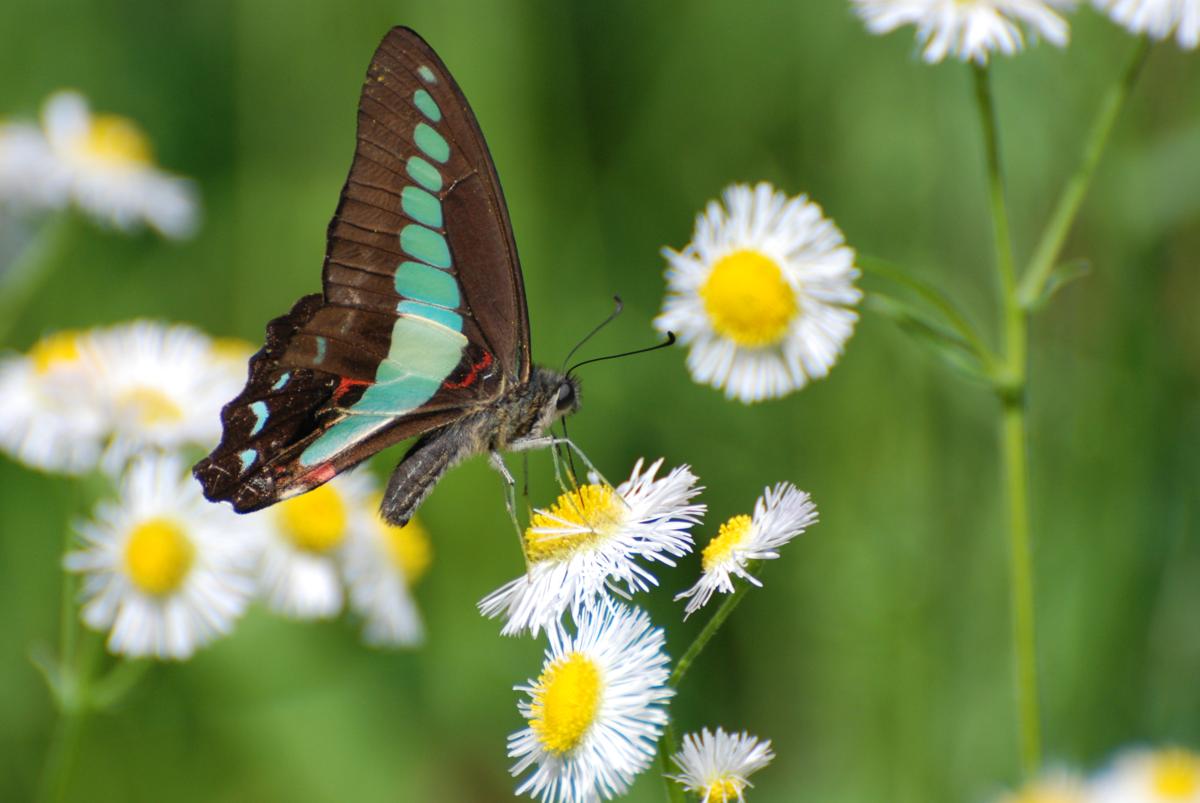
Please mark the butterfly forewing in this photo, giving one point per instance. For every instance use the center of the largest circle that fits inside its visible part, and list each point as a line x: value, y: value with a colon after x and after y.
x: 422, y: 318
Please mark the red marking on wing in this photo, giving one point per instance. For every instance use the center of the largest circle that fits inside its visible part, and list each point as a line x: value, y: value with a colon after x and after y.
x: 317, y: 476
x: 473, y: 375
x: 345, y: 385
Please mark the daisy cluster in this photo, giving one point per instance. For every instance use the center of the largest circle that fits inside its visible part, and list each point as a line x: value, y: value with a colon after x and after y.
x: 101, y: 164
x: 1135, y: 775
x: 973, y: 30
x: 165, y: 571
x: 598, y: 708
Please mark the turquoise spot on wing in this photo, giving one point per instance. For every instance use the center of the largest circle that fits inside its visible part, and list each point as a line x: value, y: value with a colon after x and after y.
x: 247, y: 457
x: 259, y: 408
x: 445, y: 317
x: 432, y: 143
x: 426, y: 245
x: 402, y: 395
x: 322, y: 347
x: 420, y: 282
x: 424, y: 173
x: 426, y: 74
x: 428, y: 106
x: 341, y: 436
x: 421, y: 347
x: 282, y: 380
x: 422, y: 207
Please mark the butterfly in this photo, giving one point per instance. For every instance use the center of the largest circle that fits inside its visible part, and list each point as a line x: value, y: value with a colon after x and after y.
x: 421, y: 328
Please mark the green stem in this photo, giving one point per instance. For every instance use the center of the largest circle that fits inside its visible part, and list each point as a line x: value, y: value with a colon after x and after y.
x: 1055, y: 234
x: 60, y: 760
x: 669, y: 744
x: 1011, y: 390
x: 31, y: 268
x: 935, y: 297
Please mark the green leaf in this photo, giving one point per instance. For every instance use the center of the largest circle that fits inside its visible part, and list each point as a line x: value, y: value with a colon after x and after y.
x: 1059, y: 277
x: 942, y: 342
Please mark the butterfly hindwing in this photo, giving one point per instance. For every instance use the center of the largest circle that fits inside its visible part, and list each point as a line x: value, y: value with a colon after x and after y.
x: 422, y: 319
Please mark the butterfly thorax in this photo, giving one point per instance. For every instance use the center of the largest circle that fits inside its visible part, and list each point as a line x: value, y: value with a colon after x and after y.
x: 518, y: 419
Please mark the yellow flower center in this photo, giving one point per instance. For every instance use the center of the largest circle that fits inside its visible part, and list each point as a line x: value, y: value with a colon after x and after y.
x: 409, y: 547
x: 116, y: 141
x: 723, y: 789
x: 158, y: 556
x: 596, y: 508
x: 151, y: 407
x: 748, y: 300
x: 315, y: 521
x: 1176, y: 775
x: 565, y: 701
x: 732, y: 534
x: 54, y: 350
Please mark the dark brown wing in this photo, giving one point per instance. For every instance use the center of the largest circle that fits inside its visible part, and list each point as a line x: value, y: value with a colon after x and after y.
x: 423, y: 314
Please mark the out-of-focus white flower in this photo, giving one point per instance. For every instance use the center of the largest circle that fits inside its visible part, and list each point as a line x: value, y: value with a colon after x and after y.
x: 110, y: 171
x: 303, y: 557
x: 164, y: 569
x: 780, y: 514
x: 716, y: 766
x: 1158, y: 19
x: 31, y: 177
x: 48, y: 423
x: 596, y: 711
x: 587, y: 542
x: 382, y: 565
x: 969, y: 30
x: 761, y: 294
x: 160, y: 386
x: 1170, y: 775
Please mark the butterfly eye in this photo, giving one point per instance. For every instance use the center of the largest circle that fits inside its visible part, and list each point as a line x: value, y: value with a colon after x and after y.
x: 566, y: 396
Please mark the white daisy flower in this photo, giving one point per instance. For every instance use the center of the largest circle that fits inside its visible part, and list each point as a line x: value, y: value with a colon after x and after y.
x: 48, y: 422
x: 1150, y: 776
x: 1055, y: 786
x: 161, y: 386
x: 760, y: 294
x: 716, y: 766
x: 164, y: 569
x: 780, y: 514
x: 1158, y: 19
x: 596, y: 711
x: 302, y: 559
x: 586, y: 544
x: 110, y: 170
x: 382, y: 566
x: 969, y: 30
x: 31, y: 177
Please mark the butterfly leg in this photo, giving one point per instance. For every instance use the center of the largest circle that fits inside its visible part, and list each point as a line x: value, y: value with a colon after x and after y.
x: 510, y: 499
x: 550, y: 442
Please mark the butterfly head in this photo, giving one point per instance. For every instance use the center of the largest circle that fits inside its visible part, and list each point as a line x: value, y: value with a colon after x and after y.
x: 553, y: 395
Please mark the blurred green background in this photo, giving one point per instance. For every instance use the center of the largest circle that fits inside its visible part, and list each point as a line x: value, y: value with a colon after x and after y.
x: 877, y: 657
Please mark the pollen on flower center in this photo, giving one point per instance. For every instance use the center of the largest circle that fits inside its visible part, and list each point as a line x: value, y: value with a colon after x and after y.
x: 566, y: 699
x: 151, y: 406
x: 315, y: 521
x: 592, y: 512
x: 732, y: 534
x: 54, y: 350
x: 723, y: 789
x: 158, y: 556
x: 748, y: 300
x: 116, y: 141
x: 1176, y: 775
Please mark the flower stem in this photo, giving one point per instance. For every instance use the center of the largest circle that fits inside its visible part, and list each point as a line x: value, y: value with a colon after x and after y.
x: 669, y: 743
x: 31, y: 268
x: 1048, y: 248
x: 1010, y: 387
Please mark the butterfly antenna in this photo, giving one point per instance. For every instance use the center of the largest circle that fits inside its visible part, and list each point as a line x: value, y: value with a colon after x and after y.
x: 668, y: 342
x: 618, y: 305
